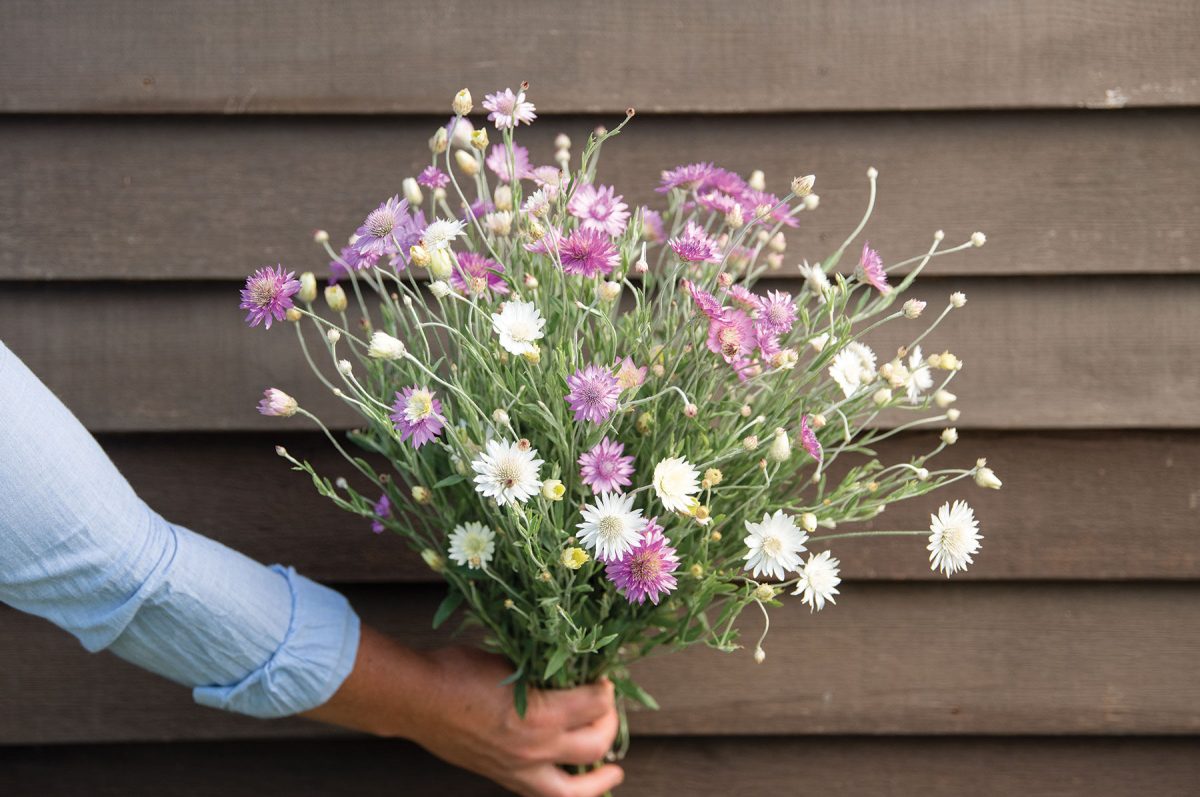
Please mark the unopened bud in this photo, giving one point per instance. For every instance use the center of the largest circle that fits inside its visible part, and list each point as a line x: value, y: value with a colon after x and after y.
x: 440, y: 264
x: 608, y: 291
x: 818, y: 343
x: 320, y: 236
x: 412, y: 191
x: 691, y: 410
x: 713, y: 476
x: 950, y: 436
x: 439, y: 142
x: 958, y: 299
x: 419, y: 255
x: 760, y: 655
x: 467, y: 163
x: 758, y: 180
x: 553, y: 490
x: 882, y: 396
x: 384, y: 347
x: 531, y: 281
x: 764, y: 592
x: 502, y: 198
x: 944, y: 398
x: 808, y: 522
x: 462, y: 104
x: 293, y: 315
x: 421, y: 495
x: 750, y: 442
x: 781, y: 446
x: 818, y: 421
x: 985, y: 477
x: 803, y: 186
x: 332, y: 335
x: 562, y: 141
x: 978, y: 239
x: 440, y: 289
x: 952, y: 415
x: 335, y: 297
x: 811, y: 202
x: 913, y: 308
x: 281, y: 451
x: 434, y: 560
x: 697, y: 570
x: 872, y: 173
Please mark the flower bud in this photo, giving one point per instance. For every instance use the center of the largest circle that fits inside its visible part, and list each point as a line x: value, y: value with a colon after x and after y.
x: 985, y: 477
x: 950, y: 436
x: 574, y: 558
x: 758, y: 180
x: 479, y: 139
x: 760, y: 655
x: 553, y: 490
x: 467, y: 163
x: 713, y: 476
x: 412, y: 191
x: 781, y: 447
x: 440, y: 289
x: 697, y: 570
x: 817, y: 420
x: 439, y: 142
x: 281, y: 451
x: 803, y: 186
x: 644, y: 423
x: 462, y: 104
x: 811, y: 202
x: 818, y: 343
x: 913, y: 308
x: 320, y: 236
x: 562, y: 157
x: 608, y: 291
x: 434, y: 560
x: 958, y: 299
x: 808, y: 522
x: 502, y: 198
x: 690, y: 410
x: 658, y: 369
x: 944, y: 398
x: 308, y: 288
x: 952, y: 415
x: 562, y: 141
x: 715, y: 536
x: 440, y: 264
x: 750, y: 442
x: 332, y: 335
x: 293, y: 315
x: 335, y: 297
x: 774, y: 261
x: 642, y: 265
x: 978, y: 239
x: 345, y: 367
x: 533, y: 356
x: 341, y: 483
x: 421, y: 495
x: 419, y: 255
x: 735, y: 218
x: 384, y: 347
x: 461, y: 135
x: 882, y: 396
x: 508, y: 603
x: 872, y: 173
x: 277, y: 403
x: 531, y: 281
x: 500, y: 416
x: 536, y: 230
x: 764, y: 592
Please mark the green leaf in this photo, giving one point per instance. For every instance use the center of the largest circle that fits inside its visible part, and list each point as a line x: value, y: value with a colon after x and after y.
x: 512, y: 678
x: 520, y: 698
x: 556, y: 662
x: 605, y: 640
x: 449, y: 480
x: 447, y: 607
x: 631, y: 690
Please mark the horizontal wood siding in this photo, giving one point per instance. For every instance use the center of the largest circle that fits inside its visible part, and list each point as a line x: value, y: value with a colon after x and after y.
x: 371, y: 56
x: 199, y: 198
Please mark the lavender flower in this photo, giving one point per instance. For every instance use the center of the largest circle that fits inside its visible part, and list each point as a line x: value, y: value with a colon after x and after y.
x: 433, y: 177
x: 588, y: 253
x: 604, y: 468
x: 268, y: 295
x: 870, y: 268
x: 277, y: 403
x: 594, y: 394
x: 497, y: 161
x: 808, y: 438
x: 417, y: 415
x: 732, y: 335
x: 383, y: 510
x: 694, y: 245
x: 374, y: 238
x: 478, y: 274
x: 777, y: 312
x: 652, y: 226
x: 598, y: 208
x: 705, y: 302
x: 509, y: 110
x: 629, y: 375
x: 646, y: 571
x: 687, y: 177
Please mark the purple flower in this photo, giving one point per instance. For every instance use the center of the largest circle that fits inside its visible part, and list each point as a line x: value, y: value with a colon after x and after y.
x: 509, y: 110
x: 652, y: 226
x: 756, y: 202
x: 477, y: 209
x: 645, y: 571
x: 604, y: 468
x: 629, y: 375
x: 276, y: 402
x: 743, y: 298
x: 588, y: 253
x: 550, y: 242
x: 417, y: 415
x: 732, y: 336
x: 433, y: 177
x: 695, y: 245
x: 598, y: 208
x: 705, y: 301
x: 550, y: 179
x: 268, y: 295
x: 374, y: 238
x: 718, y: 201
x: 870, y: 267
x: 777, y: 312
x: 808, y: 438
x: 594, y: 393
x: 686, y: 177
x: 497, y: 161
x: 383, y: 509
x: 478, y: 274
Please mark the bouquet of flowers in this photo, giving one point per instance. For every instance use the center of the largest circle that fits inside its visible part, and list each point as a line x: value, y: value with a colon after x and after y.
x: 592, y: 421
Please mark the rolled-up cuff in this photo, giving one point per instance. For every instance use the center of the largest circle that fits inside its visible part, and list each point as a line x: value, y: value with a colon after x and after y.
x: 315, y: 657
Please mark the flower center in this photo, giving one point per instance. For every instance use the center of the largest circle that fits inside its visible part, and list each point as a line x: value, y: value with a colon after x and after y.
x: 644, y: 566
x: 610, y: 527
x: 420, y: 406
x: 380, y: 223
x: 773, y: 546
x: 508, y: 473
x: 264, y: 292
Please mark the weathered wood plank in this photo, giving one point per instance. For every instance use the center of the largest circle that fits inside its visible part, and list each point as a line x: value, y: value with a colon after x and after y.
x: 888, y: 659
x: 368, y: 56
x: 1051, y: 353
x: 929, y: 767
x: 192, y: 198
x: 1085, y: 506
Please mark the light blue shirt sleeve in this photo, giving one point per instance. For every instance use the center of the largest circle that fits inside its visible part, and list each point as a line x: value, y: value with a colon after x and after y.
x: 79, y: 548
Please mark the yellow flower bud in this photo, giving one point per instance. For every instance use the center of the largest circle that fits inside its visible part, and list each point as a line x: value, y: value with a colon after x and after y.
x: 440, y: 264
x: 335, y: 297
x: 553, y: 490
x: 764, y: 592
x: 421, y: 494
x: 419, y: 255
x: 308, y: 288
x: 574, y: 558
x: 479, y: 139
x: 462, y: 104
x: 293, y: 314
x: 468, y: 164
x: 713, y: 476
x: 434, y: 560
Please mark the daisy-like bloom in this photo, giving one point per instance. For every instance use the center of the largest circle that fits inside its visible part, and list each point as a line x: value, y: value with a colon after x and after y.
x: 277, y: 403
x: 472, y: 544
x: 759, y: 207
x: 508, y: 472
x: 268, y: 295
x: 509, y: 110
x: 646, y: 571
x: 774, y: 545
x: 777, y: 311
x: 853, y: 367
x: 598, y: 208
x: 870, y: 268
x: 433, y: 177
x: 818, y: 580
x: 732, y: 336
x: 652, y: 226
x: 953, y: 537
x: 588, y: 253
x: 743, y: 298
x: 383, y: 509
x: 686, y: 177
x: 694, y: 246
x: 629, y: 375
x: 478, y: 274
x: 497, y: 161
x: 919, y: 377
x: 594, y: 393
x: 440, y: 233
x: 537, y: 203
x: 550, y: 179
x: 519, y: 325
x: 611, y: 527
x: 815, y: 279
x: 705, y: 302
x: 374, y: 238
x: 675, y: 482
x: 808, y: 439
x: 417, y: 415
x: 606, y: 468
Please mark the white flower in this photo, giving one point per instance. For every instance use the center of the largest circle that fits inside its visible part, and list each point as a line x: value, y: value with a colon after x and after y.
x: 674, y: 480
x: 815, y: 279
x: 440, y: 289
x: 611, y: 527
x: 384, y: 347
x: 440, y: 233
x: 818, y: 580
x: 507, y: 472
x: 518, y: 324
x: 954, y: 536
x: 412, y: 191
x: 537, y: 204
x: 472, y: 544
x: 853, y: 367
x: 499, y: 222
x: 775, y: 545
x: 950, y: 436
x: 986, y: 477
x: 919, y: 378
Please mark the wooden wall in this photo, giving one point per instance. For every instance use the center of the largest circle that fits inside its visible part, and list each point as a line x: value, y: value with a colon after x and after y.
x: 152, y: 153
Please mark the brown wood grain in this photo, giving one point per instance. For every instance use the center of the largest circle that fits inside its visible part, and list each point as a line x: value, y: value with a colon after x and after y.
x: 1085, y: 505
x: 1049, y: 353
x: 369, y: 56
x: 929, y: 767
x: 204, y: 198
x: 976, y: 658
